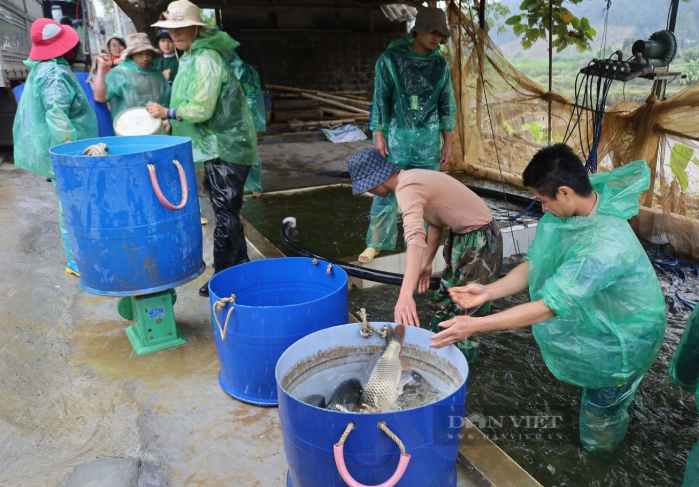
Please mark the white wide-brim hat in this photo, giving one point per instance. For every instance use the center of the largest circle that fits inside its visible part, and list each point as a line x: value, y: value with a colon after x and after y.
x: 182, y: 13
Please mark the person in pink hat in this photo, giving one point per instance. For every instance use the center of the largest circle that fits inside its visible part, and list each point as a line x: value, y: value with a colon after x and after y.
x: 53, y: 108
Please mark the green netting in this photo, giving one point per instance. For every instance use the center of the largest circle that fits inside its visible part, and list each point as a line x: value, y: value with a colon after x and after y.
x: 211, y: 103
x: 130, y: 86
x: 413, y: 103
x: 52, y: 110
x: 593, y: 273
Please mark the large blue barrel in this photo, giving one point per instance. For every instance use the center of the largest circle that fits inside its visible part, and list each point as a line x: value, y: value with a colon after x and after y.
x: 104, y: 116
x: 125, y: 241
x: 431, y: 433
x: 277, y: 301
x: 17, y: 91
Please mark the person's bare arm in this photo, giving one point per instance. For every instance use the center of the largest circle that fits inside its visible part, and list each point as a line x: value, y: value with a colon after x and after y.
x: 473, y: 294
x: 434, y: 238
x: 405, y: 311
x: 463, y: 327
x: 99, y: 86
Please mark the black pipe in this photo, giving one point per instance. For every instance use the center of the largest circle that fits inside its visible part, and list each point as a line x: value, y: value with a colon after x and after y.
x: 514, y: 198
x: 352, y: 270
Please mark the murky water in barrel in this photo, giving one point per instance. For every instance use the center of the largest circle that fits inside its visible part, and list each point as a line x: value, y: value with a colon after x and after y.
x: 524, y: 409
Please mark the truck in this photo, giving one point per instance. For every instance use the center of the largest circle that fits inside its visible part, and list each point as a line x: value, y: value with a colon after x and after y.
x: 16, y: 18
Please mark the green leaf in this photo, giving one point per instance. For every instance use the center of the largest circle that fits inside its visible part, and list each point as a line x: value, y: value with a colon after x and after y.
x: 584, y: 23
x: 515, y: 19
x: 679, y: 159
x: 519, y: 29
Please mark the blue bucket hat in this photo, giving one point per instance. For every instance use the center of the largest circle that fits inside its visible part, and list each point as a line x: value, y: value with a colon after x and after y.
x: 368, y: 169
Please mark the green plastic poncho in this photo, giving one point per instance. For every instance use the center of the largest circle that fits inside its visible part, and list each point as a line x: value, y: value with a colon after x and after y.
x: 130, y: 86
x: 593, y: 273
x: 684, y: 372
x: 53, y: 109
x: 413, y: 103
x: 250, y: 81
x: 211, y: 103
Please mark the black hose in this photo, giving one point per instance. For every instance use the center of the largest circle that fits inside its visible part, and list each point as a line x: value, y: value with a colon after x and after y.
x: 352, y: 270
x: 515, y: 198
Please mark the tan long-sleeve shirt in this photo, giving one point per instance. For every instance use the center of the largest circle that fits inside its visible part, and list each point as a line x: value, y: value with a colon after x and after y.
x: 439, y: 200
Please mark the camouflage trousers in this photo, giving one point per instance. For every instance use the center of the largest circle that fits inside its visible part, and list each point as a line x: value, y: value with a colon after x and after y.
x: 471, y: 257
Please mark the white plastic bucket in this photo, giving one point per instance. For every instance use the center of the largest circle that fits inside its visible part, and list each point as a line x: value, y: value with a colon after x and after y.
x: 137, y: 121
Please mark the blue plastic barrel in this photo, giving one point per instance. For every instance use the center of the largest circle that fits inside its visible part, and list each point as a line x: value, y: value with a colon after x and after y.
x: 277, y: 302
x: 125, y: 241
x: 430, y: 433
x: 268, y: 107
x: 104, y: 116
x: 17, y: 91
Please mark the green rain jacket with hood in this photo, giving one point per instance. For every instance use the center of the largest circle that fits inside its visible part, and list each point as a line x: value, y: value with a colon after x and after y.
x: 53, y: 109
x: 130, y: 86
x: 593, y: 273
x: 413, y: 103
x: 211, y: 103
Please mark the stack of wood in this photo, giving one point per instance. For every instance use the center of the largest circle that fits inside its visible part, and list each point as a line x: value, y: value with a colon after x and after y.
x: 305, y: 109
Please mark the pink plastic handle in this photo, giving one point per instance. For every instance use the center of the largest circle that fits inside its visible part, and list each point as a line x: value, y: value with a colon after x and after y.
x: 158, y: 192
x: 342, y: 468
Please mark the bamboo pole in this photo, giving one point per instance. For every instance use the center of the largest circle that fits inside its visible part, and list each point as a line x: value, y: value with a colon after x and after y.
x: 335, y: 103
x: 344, y: 98
x: 317, y: 92
x: 336, y: 112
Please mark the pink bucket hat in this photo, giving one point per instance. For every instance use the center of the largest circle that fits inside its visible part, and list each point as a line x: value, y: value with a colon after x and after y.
x: 51, y: 39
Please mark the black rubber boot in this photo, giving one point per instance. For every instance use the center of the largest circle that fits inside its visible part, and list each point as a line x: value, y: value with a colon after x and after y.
x: 204, y: 290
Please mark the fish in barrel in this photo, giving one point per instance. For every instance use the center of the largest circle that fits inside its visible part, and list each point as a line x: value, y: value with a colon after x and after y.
x: 346, y: 396
x: 382, y: 378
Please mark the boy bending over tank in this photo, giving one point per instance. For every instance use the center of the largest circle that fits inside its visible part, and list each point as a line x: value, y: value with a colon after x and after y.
x: 473, y: 248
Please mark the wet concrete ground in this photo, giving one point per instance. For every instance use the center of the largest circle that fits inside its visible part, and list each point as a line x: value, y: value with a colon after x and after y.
x: 72, y: 389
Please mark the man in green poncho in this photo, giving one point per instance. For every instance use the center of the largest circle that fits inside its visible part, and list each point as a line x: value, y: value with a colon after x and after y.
x: 53, y: 109
x: 133, y: 83
x: 208, y: 106
x: 250, y: 81
x: 413, y: 111
x: 597, y: 310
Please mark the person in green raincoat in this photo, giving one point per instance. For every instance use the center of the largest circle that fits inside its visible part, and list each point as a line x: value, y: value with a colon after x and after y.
x: 208, y: 106
x: 684, y: 372
x: 53, y: 109
x: 597, y: 311
x: 413, y: 111
x: 133, y: 83
x: 250, y: 81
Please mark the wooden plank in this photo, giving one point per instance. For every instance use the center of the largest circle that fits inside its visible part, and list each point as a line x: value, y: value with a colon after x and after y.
x: 335, y: 103
x: 488, y: 464
x: 301, y: 104
x: 297, y: 115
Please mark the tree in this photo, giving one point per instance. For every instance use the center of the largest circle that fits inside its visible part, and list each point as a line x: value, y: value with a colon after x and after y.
x: 568, y: 30
x: 495, y: 12
x: 108, y: 6
x: 144, y: 14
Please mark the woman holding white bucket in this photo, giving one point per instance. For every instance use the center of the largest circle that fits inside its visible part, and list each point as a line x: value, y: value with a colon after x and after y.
x: 135, y: 82
x: 208, y: 106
